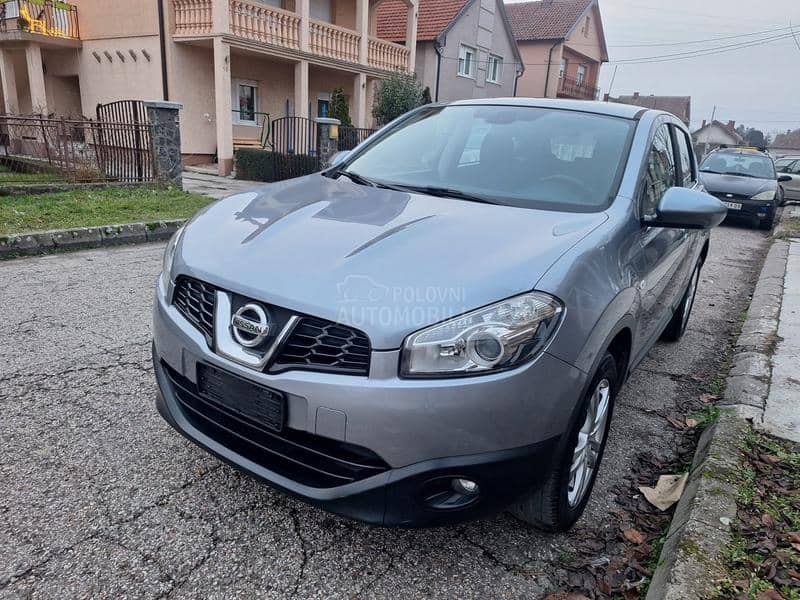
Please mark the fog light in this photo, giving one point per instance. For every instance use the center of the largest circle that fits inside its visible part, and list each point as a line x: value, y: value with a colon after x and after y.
x: 465, y: 486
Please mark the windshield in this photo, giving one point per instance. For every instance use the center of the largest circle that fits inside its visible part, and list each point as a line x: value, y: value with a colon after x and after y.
x: 739, y: 163
x: 522, y: 156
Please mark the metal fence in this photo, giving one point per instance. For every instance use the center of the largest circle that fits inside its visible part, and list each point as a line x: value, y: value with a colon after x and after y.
x: 295, y: 141
x: 350, y: 137
x: 75, y: 150
x: 47, y: 17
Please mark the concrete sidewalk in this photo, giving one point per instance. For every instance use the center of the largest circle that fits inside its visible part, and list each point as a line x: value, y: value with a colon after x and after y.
x: 208, y: 184
x: 782, y: 411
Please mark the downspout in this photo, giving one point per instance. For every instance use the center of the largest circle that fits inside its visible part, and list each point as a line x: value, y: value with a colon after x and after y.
x: 438, y: 48
x: 162, y: 39
x: 549, y: 62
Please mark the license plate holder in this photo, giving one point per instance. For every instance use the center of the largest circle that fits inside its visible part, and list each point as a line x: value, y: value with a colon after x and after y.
x: 733, y: 205
x: 255, y: 402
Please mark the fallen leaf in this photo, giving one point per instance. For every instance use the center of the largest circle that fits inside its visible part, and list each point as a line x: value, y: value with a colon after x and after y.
x: 770, y: 595
x: 666, y: 492
x: 675, y: 422
x: 634, y: 536
x: 796, y: 546
x: 768, y: 521
x: 770, y: 458
x: 794, y: 574
x: 742, y: 584
x: 691, y: 423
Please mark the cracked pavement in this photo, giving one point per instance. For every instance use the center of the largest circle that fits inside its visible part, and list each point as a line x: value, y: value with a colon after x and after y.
x: 101, y: 498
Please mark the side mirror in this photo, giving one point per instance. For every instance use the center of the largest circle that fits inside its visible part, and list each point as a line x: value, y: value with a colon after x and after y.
x: 689, y: 209
x: 339, y: 157
x: 784, y: 178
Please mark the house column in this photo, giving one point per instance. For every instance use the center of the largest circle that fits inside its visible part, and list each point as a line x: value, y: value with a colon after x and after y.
x: 411, y: 34
x: 301, y: 89
x: 33, y: 56
x: 221, y: 17
x: 303, y: 8
x: 360, y: 100
x: 9, y: 83
x: 362, y: 26
x: 222, y: 103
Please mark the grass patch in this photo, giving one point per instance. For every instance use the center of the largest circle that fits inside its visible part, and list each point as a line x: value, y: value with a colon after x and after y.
x: 763, y: 557
x: 8, y: 177
x: 95, y: 207
x: 790, y: 227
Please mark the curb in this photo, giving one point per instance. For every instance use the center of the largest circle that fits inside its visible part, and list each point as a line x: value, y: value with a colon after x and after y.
x: 691, y: 560
x: 39, y: 242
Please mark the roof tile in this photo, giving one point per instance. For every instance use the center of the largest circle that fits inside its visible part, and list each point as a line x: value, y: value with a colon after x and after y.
x: 545, y: 19
x: 434, y: 16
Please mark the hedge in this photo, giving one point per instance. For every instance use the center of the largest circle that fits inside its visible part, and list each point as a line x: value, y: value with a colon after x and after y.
x: 262, y: 165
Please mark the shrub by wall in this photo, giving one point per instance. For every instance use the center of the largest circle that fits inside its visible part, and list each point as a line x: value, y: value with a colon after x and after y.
x: 262, y: 165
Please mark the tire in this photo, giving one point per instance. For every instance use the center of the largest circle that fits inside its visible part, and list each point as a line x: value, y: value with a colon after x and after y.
x: 767, y: 224
x: 556, y: 505
x: 680, y: 318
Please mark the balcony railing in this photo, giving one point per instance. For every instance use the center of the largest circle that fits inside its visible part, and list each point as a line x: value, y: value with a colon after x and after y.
x: 387, y: 55
x: 49, y: 18
x: 192, y: 17
x: 577, y: 89
x: 252, y: 20
x: 333, y: 41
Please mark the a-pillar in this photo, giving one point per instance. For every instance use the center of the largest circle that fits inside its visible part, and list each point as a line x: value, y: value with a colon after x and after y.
x: 9, y: 83
x: 301, y: 89
x: 222, y: 103
x: 360, y: 99
x: 33, y: 56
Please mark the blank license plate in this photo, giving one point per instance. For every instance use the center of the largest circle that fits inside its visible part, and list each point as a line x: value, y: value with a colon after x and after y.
x: 239, y: 395
x: 733, y: 205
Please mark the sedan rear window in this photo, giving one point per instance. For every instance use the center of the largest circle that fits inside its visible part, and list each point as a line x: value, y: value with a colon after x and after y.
x: 523, y: 156
x: 739, y: 163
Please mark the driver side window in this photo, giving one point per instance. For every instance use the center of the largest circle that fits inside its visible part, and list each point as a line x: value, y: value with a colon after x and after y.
x: 660, y: 174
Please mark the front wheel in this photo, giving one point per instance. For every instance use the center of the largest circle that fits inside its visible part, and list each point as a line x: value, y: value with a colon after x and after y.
x: 560, y: 501
x: 680, y: 318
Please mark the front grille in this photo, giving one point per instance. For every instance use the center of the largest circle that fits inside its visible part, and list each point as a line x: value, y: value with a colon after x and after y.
x: 195, y: 300
x: 318, y: 343
x: 309, y: 459
x: 314, y: 344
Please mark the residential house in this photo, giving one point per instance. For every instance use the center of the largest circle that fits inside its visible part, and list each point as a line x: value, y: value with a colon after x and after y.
x: 786, y: 143
x: 465, y: 48
x: 563, y: 46
x: 228, y: 62
x: 714, y: 134
x: 680, y: 106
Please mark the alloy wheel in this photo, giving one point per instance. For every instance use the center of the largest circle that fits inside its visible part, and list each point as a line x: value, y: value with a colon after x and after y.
x: 586, y: 455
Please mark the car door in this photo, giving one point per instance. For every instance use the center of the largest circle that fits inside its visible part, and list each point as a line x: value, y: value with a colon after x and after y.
x: 662, y: 249
x: 792, y: 188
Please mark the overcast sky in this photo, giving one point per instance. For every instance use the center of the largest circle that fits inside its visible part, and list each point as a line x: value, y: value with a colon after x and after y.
x: 758, y: 86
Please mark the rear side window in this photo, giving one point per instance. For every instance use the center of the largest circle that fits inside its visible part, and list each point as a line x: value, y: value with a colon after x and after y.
x: 685, y: 156
x: 660, y: 175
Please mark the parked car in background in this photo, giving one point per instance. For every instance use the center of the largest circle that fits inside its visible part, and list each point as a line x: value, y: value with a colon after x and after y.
x: 789, y: 166
x: 744, y: 179
x: 425, y: 332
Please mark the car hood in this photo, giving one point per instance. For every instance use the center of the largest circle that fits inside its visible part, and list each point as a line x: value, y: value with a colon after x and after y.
x: 384, y: 261
x: 716, y: 183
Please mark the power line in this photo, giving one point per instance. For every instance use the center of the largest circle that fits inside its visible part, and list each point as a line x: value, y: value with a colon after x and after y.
x: 714, y: 39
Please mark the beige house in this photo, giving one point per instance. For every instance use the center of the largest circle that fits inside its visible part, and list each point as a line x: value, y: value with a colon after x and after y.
x: 563, y: 46
x: 229, y: 62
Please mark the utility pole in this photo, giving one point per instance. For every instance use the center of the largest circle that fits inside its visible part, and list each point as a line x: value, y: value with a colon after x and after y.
x: 714, y: 112
x: 613, y: 77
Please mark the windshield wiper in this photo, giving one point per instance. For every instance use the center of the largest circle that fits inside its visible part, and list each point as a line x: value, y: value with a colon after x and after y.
x: 356, y: 178
x: 738, y: 174
x: 445, y: 192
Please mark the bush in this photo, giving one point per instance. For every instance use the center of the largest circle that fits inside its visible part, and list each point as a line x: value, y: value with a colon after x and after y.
x: 339, y: 108
x: 262, y: 165
x: 395, y: 96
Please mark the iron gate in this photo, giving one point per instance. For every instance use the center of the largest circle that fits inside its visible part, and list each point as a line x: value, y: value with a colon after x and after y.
x: 295, y: 143
x: 125, y: 146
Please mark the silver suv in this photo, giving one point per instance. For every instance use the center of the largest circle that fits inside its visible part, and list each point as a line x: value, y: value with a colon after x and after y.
x: 436, y: 327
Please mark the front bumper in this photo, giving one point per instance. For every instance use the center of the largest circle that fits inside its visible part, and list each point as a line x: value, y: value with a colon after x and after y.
x: 498, y: 430
x: 751, y: 209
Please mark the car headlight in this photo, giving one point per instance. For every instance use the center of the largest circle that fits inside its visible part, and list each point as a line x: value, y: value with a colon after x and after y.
x: 496, y: 337
x: 768, y: 195
x: 169, y: 256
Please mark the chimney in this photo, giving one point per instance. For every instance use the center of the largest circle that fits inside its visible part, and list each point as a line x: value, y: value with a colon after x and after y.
x: 704, y: 123
x: 635, y: 95
x: 731, y: 125
x: 606, y: 97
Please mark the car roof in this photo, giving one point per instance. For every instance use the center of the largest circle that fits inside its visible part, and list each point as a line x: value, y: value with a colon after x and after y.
x: 740, y: 150
x: 612, y: 109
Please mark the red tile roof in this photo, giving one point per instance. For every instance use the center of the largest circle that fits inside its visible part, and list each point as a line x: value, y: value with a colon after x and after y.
x: 545, y: 19
x: 680, y: 106
x: 434, y: 16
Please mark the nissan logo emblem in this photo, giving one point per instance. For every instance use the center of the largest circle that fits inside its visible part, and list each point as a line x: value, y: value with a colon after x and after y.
x: 250, y: 325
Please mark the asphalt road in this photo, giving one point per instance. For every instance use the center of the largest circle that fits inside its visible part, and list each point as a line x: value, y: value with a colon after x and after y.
x: 101, y: 498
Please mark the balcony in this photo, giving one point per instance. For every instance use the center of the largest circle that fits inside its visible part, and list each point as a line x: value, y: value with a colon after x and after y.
x: 577, y: 90
x: 281, y: 29
x: 48, y: 22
